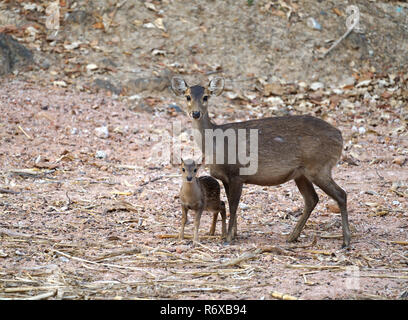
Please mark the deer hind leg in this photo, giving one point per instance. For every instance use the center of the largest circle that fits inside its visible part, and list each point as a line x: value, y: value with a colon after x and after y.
x: 224, y: 220
x: 213, y: 224
x: 310, y: 198
x: 327, y: 184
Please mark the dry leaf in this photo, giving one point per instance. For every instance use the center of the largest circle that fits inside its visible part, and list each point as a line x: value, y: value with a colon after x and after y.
x: 159, y: 24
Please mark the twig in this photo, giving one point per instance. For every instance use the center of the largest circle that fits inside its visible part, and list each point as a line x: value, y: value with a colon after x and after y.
x: 43, y: 295
x: 186, y: 236
x: 14, y: 234
x: 336, y: 43
x: 305, y: 266
x: 402, y: 243
x: 383, y: 276
x: 117, y: 7
x: 241, y: 258
x: 282, y: 296
x: 24, y: 289
x: 119, y: 253
x: 8, y: 191
x: 25, y: 133
x: 152, y: 180
x: 101, y: 264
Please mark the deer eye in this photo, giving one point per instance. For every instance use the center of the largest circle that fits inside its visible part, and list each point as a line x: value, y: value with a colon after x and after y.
x: 184, y: 170
x: 205, y: 98
x: 188, y: 98
x: 195, y: 170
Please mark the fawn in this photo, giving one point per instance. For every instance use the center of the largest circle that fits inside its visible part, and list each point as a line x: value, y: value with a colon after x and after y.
x: 199, y: 194
x: 301, y: 148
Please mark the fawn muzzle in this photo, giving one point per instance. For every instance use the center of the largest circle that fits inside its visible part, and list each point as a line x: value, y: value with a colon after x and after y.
x: 196, y: 114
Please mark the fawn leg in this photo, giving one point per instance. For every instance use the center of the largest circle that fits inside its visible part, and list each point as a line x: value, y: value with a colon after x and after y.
x: 310, y: 198
x: 184, y: 211
x: 197, y: 219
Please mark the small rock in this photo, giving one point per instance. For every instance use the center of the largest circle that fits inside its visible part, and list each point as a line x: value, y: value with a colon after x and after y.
x: 135, y: 97
x: 91, y: 67
x: 61, y: 84
x: 78, y: 17
x: 363, y: 83
x: 231, y: 95
x: 63, y: 259
x: 348, y: 82
x: 13, y: 55
x: 312, y: 23
x: 275, y: 89
x: 244, y: 206
x: 175, y: 107
x: 275, y: 101
x: 332, y: 207
x: 100, y: 154
x: 361, y: 130
x: 316, y: 86
x: 102, y: 132
x: 107, y: 85
x: 400, y: 160
x: 74, y: 130
x: 73, y: 45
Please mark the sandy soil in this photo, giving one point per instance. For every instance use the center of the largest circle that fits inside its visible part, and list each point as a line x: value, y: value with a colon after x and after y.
x: 73, y: 226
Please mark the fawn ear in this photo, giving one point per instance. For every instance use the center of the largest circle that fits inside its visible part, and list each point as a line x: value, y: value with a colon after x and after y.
x: 178, y: 85
x: 216, y: 86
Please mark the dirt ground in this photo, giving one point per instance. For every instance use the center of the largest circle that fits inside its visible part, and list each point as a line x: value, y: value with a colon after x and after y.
x: 74, y: 226
x: 89, y: 204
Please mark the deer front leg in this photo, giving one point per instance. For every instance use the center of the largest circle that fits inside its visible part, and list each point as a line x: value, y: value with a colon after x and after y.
x: 184, y: 211
x: 235, y: 190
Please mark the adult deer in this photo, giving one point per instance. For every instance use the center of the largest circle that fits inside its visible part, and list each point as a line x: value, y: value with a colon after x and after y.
x: 302, y: 148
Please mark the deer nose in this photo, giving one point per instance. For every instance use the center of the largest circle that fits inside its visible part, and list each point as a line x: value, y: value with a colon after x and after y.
x: 189, y: 178
x: 196, y: 114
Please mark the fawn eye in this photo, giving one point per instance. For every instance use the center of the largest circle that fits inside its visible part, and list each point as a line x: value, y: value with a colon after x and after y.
x: 184, y: 170
x: 195, y: 170
x: 205, y: 98
x: 188, y: 98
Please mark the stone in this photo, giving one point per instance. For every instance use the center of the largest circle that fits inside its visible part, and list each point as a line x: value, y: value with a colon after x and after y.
x: 13, y: 55
x: 316, y: 86
x: 102, y: 132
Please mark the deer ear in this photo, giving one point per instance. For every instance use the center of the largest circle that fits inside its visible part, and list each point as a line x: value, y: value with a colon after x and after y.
x: 178, y: 85
x: 216, y: 86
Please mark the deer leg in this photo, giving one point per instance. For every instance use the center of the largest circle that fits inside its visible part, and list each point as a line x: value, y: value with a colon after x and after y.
x: 197, y: 219
x: 213, y: 224
x: 235, y: 190
x: 310, y: 198
x: 327, y: 184
x: 184, y: 211
x: 224, y: 219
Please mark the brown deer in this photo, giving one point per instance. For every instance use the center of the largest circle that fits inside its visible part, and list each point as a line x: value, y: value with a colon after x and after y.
x: 301, y: 148
x: 199, y: 194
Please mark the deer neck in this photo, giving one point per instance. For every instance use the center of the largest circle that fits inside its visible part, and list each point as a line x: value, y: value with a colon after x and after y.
x: 191, y: 191
x: 199, y: 130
